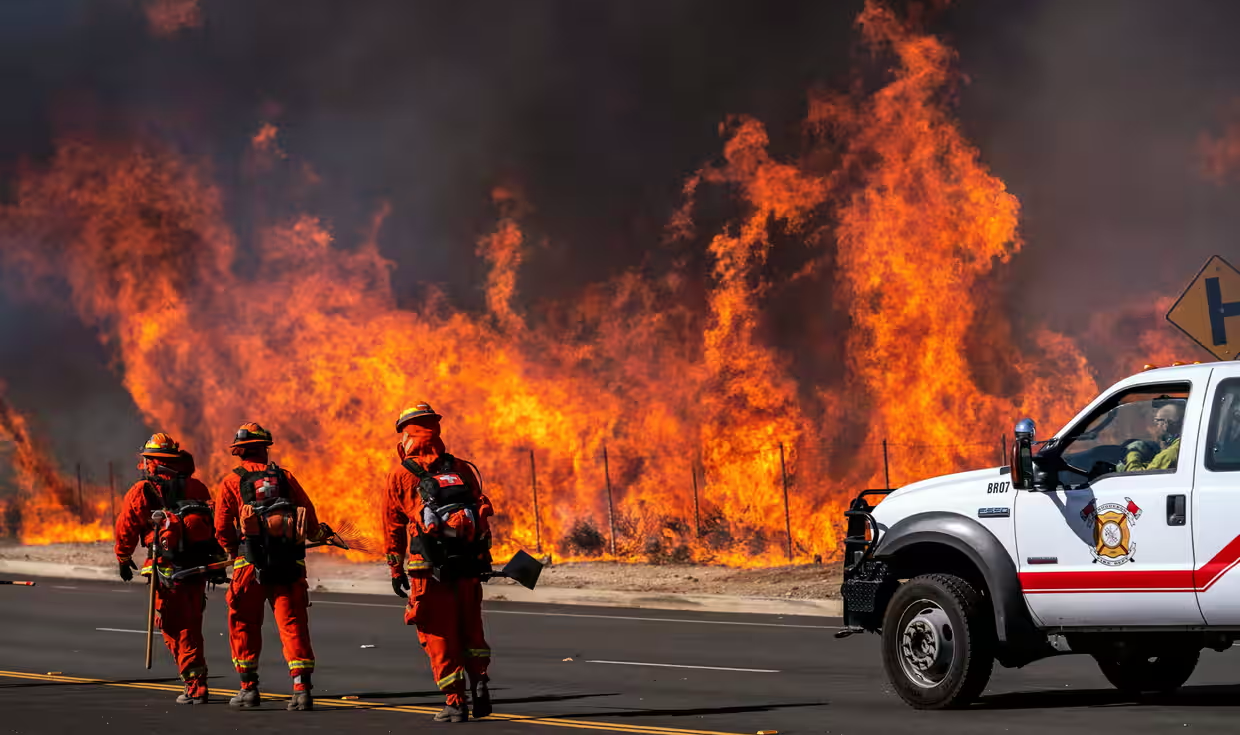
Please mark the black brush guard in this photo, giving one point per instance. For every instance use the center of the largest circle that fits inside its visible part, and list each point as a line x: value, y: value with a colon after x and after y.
x: 867, y: 582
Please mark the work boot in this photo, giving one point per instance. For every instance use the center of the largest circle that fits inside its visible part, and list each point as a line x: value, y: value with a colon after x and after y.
x: 302, y: 700
x: 247, y: 698
x: 482, y: 697
x: 195, y: 692
x: 453, y: 713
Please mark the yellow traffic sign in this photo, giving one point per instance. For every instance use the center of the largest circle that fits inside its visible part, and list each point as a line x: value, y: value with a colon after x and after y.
x: 1204, y: 311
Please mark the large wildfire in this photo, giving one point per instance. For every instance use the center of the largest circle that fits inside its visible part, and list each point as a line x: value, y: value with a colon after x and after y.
x: 651, y: 416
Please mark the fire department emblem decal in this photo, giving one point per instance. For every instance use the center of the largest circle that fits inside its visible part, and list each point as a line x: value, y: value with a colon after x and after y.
x: 1113, y: 544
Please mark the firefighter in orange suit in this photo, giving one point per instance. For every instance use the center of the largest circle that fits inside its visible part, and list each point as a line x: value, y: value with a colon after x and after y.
x: 263, y: 522
x: 434, y: 512
x: 185, y: 541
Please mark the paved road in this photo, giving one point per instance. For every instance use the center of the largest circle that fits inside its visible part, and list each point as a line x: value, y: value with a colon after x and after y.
x: 758, y: 673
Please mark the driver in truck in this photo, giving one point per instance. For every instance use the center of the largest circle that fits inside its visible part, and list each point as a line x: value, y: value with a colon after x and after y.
x: 1143, y: 455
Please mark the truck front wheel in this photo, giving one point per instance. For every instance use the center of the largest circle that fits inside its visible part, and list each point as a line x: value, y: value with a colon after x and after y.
x: 1137, y: 674
x: 938, y: 642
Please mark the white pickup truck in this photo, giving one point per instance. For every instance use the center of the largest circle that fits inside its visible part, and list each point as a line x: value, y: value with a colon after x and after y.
x: 1115, y: 538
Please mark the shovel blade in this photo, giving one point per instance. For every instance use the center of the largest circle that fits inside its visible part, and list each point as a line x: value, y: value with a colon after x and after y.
x: 523, y: 569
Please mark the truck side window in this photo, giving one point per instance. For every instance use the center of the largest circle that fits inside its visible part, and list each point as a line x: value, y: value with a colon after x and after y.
x: 1134, y: 431
x: 1223, y: 442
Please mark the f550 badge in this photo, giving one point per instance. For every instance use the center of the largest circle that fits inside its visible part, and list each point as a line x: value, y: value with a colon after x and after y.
x: 1113, y: 544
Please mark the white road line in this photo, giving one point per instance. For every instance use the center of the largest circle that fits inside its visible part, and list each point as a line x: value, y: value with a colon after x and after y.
x: 62, y: 587
x: 665, y: 620
x: 682, y: 666
x: 124, y: 630
x: 603, y: 617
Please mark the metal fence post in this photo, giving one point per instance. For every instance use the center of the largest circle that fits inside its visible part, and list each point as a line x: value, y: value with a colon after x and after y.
x: 783, y: 469
x: 697, y: 512
x: 537, y: 516
x: 611, y: 517
x: 112, y: 492
x: 886, y: 471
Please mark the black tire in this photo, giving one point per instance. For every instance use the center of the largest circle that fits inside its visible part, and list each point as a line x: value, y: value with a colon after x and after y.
x: 1160, y: 673
x: 961, y: 648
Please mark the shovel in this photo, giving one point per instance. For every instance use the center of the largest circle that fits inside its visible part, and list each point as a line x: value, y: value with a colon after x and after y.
x: 522, y: 569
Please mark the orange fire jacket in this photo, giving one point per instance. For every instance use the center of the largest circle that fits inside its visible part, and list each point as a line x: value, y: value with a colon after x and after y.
x: 228, y: 515
x: 402, y: 513
x: 133, y: 521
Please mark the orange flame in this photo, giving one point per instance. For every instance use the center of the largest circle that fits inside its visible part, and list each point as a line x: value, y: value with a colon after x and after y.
x: 44, y: 509
x: 654, y: 403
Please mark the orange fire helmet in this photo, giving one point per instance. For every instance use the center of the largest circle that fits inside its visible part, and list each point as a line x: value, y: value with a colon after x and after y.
x: 161, y: 445
x: 418, y: 411
x: 252, y: 433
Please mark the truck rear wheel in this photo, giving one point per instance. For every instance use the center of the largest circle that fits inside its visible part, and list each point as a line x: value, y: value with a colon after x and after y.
x: 938, y: 642
x: 1137, y: 674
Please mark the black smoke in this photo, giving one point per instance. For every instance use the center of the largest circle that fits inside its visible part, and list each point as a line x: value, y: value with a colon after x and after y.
x: 597, y: 112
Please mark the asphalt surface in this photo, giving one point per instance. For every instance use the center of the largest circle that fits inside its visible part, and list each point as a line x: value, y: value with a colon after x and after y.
x: 769, y: 673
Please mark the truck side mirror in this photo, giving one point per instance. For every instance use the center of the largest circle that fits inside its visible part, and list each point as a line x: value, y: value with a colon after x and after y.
x: 1022, y: 455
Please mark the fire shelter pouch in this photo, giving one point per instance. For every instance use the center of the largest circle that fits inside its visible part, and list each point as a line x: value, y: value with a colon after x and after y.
x: 411, y: 612
x: 417, y: 589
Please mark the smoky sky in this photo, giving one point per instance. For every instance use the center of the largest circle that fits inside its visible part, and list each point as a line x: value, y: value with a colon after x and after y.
x: 1092, y: 113
x: 597, y: 112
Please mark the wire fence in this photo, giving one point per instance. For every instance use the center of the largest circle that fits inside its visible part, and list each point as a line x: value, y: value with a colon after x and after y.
x: 808, y: 456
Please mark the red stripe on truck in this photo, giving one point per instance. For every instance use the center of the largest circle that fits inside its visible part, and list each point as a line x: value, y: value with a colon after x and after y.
x: 1134, y: 580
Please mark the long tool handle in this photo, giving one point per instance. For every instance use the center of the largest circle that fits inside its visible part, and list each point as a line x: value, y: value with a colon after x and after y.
x: 201, y: 570
x: 157, y: 520
x: 9, y: 581
x: 150, y: 616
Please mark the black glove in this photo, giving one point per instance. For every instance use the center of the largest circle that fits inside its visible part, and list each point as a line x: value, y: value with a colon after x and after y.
x: 400, y: 585
x: 126, y: 569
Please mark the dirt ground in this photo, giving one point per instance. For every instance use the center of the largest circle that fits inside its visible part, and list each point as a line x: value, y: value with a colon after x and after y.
x: 802, y: 581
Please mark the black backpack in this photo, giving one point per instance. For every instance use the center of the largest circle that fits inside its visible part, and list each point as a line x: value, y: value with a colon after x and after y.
x: 167, y: 492
x: 445, y: 490
x: 276, y: 559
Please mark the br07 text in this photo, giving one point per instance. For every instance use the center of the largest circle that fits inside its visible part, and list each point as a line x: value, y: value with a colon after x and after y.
x: 998, y: 487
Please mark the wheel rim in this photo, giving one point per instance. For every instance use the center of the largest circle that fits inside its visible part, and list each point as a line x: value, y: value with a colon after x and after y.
x: 927, y: 644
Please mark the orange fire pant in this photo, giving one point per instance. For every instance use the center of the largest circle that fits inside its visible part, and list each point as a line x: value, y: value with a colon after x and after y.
x: 449, y: 620
x: 179, y: 617
x: 290, y: 602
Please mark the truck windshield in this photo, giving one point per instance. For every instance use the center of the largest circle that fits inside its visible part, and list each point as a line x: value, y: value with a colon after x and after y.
x: 1134, y: 431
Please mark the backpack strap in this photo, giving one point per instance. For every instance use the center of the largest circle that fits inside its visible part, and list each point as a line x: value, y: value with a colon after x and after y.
x: 246, y: 486
x: 153, y: 497
x: 415, y: 468
x: 163, y: 493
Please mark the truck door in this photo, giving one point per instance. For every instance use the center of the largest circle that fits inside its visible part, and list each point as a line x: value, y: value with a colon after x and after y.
x: 1107, y: 547
x: 1216, y: 505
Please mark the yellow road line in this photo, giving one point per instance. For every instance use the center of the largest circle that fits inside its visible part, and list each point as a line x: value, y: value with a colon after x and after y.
x: 532, y: 719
